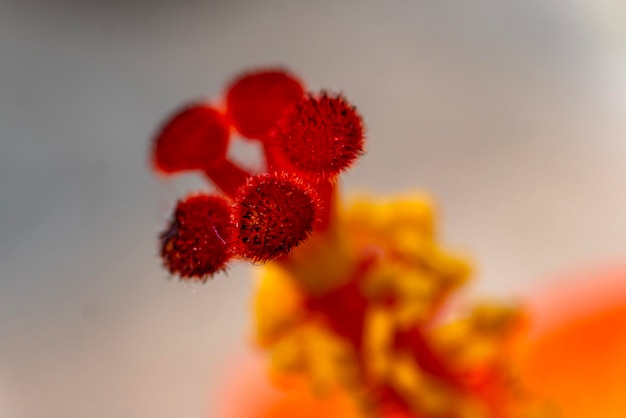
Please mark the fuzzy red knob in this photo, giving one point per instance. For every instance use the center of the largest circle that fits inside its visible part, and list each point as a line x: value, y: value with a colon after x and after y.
x: 256, y: 100
x: 194, y: 245
x: 194, y: 138
x: 272, y: 214
x: 320, y: 136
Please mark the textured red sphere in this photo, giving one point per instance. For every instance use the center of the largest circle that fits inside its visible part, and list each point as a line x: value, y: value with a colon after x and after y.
x: 195, y: 243
x: 194, y: 138
x: 272, y: 214
x: 256, y: 100
x: 320, y: 136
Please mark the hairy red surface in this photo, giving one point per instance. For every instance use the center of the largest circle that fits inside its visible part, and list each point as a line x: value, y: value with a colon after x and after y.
x: 272, y: 214
x: 194, y: 245
x: 320, y: 136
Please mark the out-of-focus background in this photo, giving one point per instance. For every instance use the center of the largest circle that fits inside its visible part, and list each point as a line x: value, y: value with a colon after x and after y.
x: 512, y: 113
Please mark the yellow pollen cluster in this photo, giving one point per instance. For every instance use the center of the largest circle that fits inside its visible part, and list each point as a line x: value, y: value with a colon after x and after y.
x: 364, y: 306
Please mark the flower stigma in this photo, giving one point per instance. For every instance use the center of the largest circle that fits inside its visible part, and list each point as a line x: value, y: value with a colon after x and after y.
x: 354, y: 299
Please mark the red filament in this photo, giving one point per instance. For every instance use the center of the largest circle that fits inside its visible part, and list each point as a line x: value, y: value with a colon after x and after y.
x: 227, y: 176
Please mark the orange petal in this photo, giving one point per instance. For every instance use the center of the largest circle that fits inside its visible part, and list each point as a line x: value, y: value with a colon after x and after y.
x: 250, y: 394
x: 577, y: 357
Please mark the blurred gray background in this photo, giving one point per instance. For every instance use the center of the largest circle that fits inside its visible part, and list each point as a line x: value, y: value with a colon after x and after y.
x: 510, y: 112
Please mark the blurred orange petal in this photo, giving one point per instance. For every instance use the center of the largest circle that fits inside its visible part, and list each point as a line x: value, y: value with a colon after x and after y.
x: 250, y: 394
x: 577, y: 355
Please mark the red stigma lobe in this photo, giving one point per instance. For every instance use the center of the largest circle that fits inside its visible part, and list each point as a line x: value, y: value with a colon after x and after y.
x: 194, y: 245
x: 308, y: 139
x: 272, y: 214
x: 320, y: 136
x: 194, y: 138
x: 255, y: 101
